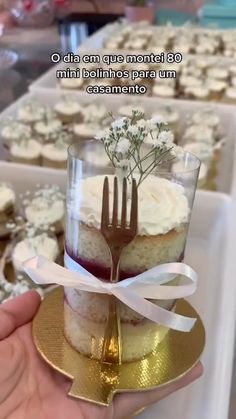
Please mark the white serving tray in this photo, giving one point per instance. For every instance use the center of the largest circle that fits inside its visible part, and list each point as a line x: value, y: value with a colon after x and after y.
x: 24, y: 177
x: 211, y: 254
x: 208, y: 398
x: 96, y: 41
x: 226, y: 173
x: 49, y: 80
x: 94, y: 44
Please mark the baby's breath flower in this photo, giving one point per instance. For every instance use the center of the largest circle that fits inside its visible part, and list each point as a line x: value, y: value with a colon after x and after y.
x: 123, y: 146
x: 119, y: 123
x: 156, y: 142
x: 142, y: 124
x: 166, y: 137
x: 104, y: 134
x: 132, y: 129
x: 158, y: 120
x: 124, y: 163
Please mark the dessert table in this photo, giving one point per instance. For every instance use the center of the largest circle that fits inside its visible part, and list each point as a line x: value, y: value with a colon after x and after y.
x: 34, y: 48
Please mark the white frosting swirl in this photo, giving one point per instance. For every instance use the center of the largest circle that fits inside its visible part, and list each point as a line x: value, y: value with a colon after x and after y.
x: 48, y: 127
x: 55, y: 152
x: 218, y: 73
x: 71, y: 83
x: 86, y: 130
x: 15, y: 130
x: 68, y: 107
x: 27, y: 149
x: 162, y: 205
x: 190, y: 81
x: 231, y: 93
x: 206, y: 117
x: 200, y: 92
x: 216, y: 85
x: 42, y: 211
x: 163, y: 91
x: 200, y: 134
x: 202, y: 150
x: 31, y: 112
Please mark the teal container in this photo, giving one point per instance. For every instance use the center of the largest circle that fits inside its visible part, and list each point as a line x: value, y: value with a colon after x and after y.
x: 174, y: 17
x: 221, y: 15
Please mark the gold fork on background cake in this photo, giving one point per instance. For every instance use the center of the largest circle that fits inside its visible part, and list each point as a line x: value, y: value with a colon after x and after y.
x: 117, y: 235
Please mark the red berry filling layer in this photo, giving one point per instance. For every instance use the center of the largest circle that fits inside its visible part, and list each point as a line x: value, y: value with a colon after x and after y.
x: 101, y: 271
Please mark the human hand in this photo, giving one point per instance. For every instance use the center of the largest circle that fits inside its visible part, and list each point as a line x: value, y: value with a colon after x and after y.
x: 29, y: 388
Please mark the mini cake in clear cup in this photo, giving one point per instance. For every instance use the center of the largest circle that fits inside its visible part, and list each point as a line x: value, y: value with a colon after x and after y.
x: 165, y: 199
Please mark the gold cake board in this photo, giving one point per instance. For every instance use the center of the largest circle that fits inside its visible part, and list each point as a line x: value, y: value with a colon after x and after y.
x: 96, y: 382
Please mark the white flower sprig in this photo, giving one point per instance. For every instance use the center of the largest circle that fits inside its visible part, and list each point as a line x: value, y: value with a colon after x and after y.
x: 138, y: 145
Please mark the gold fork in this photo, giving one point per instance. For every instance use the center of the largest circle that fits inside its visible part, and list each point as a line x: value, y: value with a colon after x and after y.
x: 117, y: 236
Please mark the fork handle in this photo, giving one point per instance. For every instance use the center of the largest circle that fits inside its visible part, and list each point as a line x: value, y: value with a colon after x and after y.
x: 111, y: 350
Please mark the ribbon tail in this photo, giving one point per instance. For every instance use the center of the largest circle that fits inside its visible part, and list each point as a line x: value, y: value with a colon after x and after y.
x: 164, y: 292
x: 45, y: 272
x: 153, y: 312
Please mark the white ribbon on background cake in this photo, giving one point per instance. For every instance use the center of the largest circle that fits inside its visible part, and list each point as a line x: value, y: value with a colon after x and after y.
x: 134, y: 292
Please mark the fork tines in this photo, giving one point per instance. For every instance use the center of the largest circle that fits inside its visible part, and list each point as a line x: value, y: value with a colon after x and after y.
x: 105, y: 218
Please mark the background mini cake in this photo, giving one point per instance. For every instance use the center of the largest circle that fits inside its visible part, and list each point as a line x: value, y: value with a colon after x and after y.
x: 7, y: 207
x: 94, y: 119
x: 200, y: 92
x: 40, y: 244
x: 26, y: 151
x: 217, y: 88
x: 68, y: 110
x: 45, y: 207
x: 230, y: 95
x: 55, y: 155
x: 71, y: 83
x: 31, y: 112
x: 48, y: 128
x: 14, y: 131
x: 171, y: 118
x: 194, y: 40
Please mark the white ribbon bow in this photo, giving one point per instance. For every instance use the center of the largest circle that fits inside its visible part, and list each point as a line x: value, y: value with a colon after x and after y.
x: 133, y: 292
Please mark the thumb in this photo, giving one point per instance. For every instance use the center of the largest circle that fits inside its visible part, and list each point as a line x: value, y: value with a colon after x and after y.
x: 17, y: 312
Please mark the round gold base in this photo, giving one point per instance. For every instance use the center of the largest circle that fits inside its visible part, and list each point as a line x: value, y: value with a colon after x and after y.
x: 96, y: 382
